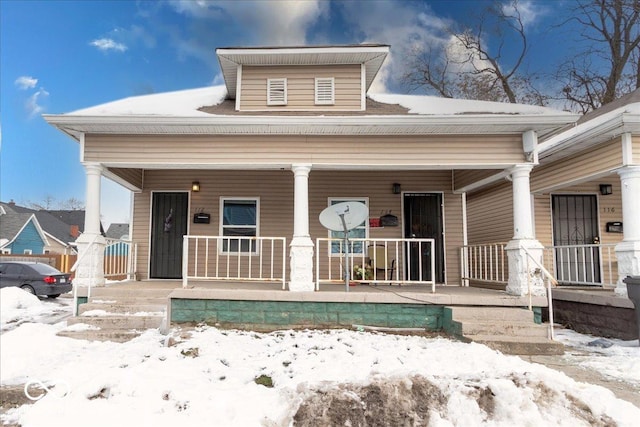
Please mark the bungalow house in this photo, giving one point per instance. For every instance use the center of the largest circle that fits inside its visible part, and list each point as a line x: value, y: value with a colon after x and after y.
x: 20, y: 233
x: 293, y: 131
x: 60, y: 228
x: 585, y: 194
x: 229, y: 181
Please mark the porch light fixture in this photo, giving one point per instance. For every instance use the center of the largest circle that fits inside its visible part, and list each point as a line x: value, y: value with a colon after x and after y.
x: 606, y: 189
x: 396, y: 188
x: 195, y: 186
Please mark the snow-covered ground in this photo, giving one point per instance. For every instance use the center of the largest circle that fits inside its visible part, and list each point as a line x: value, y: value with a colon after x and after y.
x: 207, y: 376
x: 18, y: 307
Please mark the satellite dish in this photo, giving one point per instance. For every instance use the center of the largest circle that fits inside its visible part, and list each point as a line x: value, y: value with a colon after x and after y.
x: 343, y: 217
x: 353, y: 213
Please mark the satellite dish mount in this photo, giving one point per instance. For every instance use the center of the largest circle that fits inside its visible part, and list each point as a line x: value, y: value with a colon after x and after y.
x: 343, y: 217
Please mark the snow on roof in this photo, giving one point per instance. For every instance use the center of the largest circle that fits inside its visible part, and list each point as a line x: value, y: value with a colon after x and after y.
x: 185, y: 103
x: 182, y: 103
x: 433, y: 105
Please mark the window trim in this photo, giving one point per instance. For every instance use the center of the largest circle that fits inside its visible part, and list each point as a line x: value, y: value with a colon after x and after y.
x: 27, y: 252
x: 221, y: 250
x: 334, y: 200
x: 279, y: 81
x: 325, y: 80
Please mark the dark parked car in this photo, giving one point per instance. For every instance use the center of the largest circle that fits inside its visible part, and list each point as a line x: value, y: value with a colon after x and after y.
x: 35, y: 278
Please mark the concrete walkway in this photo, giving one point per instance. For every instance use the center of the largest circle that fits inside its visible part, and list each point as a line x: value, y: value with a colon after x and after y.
x: 568, y: 366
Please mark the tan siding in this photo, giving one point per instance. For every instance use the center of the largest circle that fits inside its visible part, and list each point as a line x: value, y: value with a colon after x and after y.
x: 275, y: 190
x: 542, y: 213
x: 132, y: 176
x: 454, y: 237
x: 593, y: 162
x: 463, y: 178
x: 278, y: 150
x: 301, y: 87
x: 140, y: 226
x: 609, y: 209
x: 635, y: 149
x: 490, y: 215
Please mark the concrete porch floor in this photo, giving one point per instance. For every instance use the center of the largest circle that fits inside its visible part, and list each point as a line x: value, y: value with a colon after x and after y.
x: 263, y: 291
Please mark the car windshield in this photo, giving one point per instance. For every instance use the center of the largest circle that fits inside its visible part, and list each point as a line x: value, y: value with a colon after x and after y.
x: 44, y: 269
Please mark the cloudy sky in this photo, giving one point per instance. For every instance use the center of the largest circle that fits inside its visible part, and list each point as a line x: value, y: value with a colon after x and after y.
x: 60, y: 56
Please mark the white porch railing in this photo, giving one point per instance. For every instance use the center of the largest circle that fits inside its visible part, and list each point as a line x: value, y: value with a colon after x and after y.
x: 549, y: 280
x: 234, y: 258
x: 587, y: 265
x: 486, y: 263
x: 120, y: 259
x: 376, y: 261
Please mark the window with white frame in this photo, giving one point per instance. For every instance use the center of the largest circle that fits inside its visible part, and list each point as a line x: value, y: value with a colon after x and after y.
x: 6, y: 251
x: 276, y: 91
x: 325, y: 91
x: 27, y: 252
x: 358, y: 233
x: 239, y: 222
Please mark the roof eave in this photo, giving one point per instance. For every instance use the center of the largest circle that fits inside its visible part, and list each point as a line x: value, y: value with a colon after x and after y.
x: 75, y: 126
x: 590, y: 136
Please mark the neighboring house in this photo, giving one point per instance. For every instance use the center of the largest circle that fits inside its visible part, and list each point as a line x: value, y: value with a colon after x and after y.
x: 118, y: 231
x: 115, y: 233
x: 293, y: 131
x: 60, y: 227
x: 586, y: 198
x: 21, y: 233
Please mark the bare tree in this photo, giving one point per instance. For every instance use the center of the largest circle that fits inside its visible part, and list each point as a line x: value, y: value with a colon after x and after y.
x: 472, y: 63
x: 49, y: 202
x: 45, y: 204
x: 607, y: 66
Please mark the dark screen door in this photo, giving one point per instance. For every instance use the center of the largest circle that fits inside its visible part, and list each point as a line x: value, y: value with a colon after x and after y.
x: 168, y: 226
x: 423, y: 219
x: 575, y: 224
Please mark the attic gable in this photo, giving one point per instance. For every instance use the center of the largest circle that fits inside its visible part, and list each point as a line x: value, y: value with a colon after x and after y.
x: 232, y: 59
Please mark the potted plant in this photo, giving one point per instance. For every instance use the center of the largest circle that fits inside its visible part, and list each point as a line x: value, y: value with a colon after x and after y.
x: 362, y: 272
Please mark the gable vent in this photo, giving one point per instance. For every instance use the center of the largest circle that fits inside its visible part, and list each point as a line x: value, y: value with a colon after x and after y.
x: 325, y: 93
x: 276, y: 91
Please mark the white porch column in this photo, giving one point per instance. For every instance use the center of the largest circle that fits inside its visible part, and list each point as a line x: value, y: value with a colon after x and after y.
x: 524, y: 274
x: 301, y: 254
x: 90, y: 269
x: 628, y: 251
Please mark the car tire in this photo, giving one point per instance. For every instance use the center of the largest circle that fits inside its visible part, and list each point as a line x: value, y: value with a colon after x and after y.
x: 53, y: 296
x: 28, y: 288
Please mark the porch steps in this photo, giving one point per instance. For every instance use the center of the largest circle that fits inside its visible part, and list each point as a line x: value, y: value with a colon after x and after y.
x: 119, y: 315
x: 506, y: 329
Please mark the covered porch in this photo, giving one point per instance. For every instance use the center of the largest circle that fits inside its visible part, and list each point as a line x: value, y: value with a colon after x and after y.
x: 266, y: 306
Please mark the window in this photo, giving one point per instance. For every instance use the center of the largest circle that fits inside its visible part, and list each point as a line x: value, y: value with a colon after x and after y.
x: 6, y: 251
x: 359, y: 232
x: 239, y: 219
x: 276, y: 91
x: 325, y: 93
x: 27, y: 252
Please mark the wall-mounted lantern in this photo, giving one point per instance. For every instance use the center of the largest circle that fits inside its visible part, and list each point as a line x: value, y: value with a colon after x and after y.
x: 195, y: 186
x: 396, y: 188
x: 606, y: 189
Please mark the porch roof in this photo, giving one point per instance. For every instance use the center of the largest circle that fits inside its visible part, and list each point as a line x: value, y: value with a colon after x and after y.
x: 601, y: 125
x: 182, y: 112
